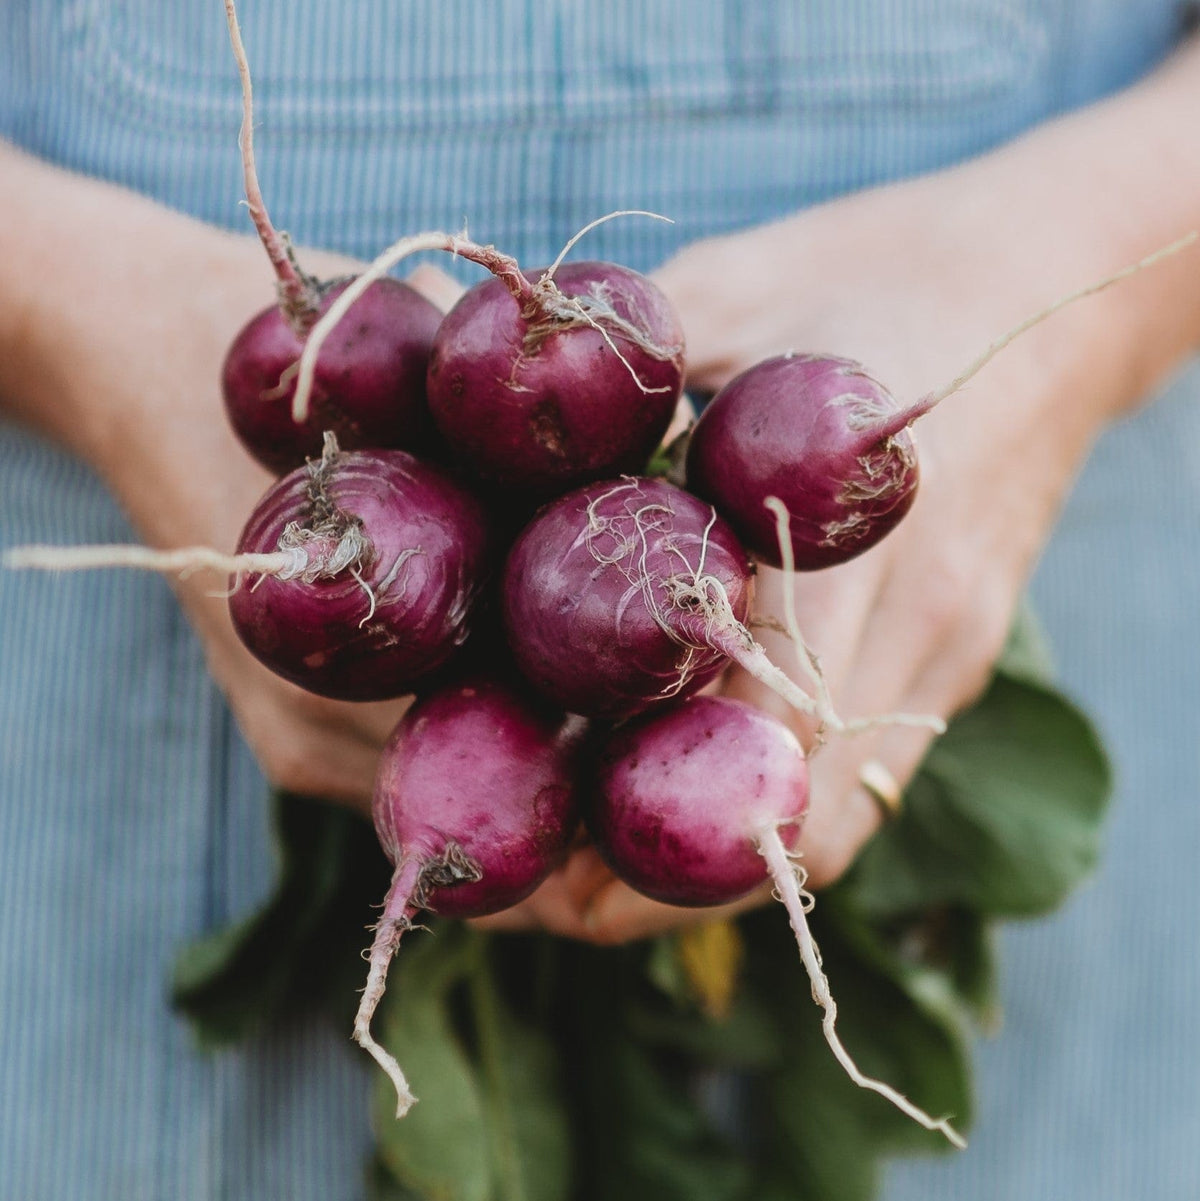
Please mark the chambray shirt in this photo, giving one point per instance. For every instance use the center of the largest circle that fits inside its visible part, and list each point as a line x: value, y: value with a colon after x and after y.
x: 131, y: 814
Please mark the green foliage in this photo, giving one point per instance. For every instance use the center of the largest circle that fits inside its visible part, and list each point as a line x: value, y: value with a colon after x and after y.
x: 304, y: 943
x: 1004, y: 816
x: 550, y: 1071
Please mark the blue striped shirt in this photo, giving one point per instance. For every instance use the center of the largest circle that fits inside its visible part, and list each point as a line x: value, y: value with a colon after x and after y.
x: 131, y: 814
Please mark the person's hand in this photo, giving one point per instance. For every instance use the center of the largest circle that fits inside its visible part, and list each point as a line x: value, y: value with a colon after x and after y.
x: 115, y: 350
x: 914, y: 281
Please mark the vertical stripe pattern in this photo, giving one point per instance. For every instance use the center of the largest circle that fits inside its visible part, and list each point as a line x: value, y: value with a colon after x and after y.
x: 131, y: 814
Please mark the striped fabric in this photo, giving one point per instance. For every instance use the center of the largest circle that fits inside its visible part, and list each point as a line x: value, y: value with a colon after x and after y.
x: 131, y: 815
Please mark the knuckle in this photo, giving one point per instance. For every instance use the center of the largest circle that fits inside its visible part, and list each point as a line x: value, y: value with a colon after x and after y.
x: 605, y: 934
x: 948, y: 589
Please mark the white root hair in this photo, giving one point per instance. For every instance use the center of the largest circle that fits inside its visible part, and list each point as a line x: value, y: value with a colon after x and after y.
x: 827, y: 716
x: 789, y: 877
x: 587, y: 229
x: 692, y: 593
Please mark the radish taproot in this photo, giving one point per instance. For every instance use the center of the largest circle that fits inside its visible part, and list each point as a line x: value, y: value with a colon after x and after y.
x: 475, y: 804
x: 370, y: 383
x: 628, y: 592
x: 830, y: 442
x: 700, y: 803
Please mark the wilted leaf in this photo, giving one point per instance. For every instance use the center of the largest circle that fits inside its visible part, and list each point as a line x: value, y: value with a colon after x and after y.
x: 711, y: 956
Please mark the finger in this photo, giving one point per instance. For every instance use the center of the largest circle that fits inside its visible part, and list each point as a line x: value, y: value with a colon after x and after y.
x: 559, y: 903
x: 891, y: 675
x: 313, y: 761
x: 436, y: 286
x: 843, y: 811
x: 929, y: 644
x: 516, y: 919
x: 685, y: 414
x: 942, y: 673
x: 617, y: 914
x: 832, y: 609
x: 369, y: 722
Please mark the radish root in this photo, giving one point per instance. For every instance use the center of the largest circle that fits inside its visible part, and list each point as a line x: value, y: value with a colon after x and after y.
x: 321, y: 549
x: 789, y: 886
x: 928, y: 402
x: 827, y: 716
x: 399, y: 909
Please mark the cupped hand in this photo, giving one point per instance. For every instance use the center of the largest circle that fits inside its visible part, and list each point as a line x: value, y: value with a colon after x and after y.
x: 915, y: 624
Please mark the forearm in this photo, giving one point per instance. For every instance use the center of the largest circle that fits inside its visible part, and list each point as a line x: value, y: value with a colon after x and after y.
x: 1095, y: 190
x: 977, y: 248
x: 113, y: 311
x: 115, y: 314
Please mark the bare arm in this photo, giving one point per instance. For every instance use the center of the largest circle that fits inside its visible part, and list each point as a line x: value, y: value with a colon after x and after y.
x: 114, y: 317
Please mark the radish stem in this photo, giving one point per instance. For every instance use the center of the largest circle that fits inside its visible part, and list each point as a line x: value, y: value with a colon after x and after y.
x: 297, y: 291
x: 927, y: 402
x: 503, y: 266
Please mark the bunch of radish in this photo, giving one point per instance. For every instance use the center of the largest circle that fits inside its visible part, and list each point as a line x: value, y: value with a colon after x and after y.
x: 556, y: 670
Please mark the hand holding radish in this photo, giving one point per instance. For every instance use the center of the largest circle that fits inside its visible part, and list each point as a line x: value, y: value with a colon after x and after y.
x: 132, y: 387
x: 911, y: 626
x: 914, y: 624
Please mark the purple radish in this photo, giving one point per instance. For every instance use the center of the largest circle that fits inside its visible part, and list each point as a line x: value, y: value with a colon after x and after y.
x: 570, y: 378
x: 370, y: 382
x: 830, y: 442
x: 700, y: 803
x: 533, y: 386
x: 369, y: 563
x: 626, y: 593
x: 824, y: 437
x: 387, y: 558
x: 676, y: 792
x: 474, y: 805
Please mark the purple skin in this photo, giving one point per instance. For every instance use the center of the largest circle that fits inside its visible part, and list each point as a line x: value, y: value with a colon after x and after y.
x: 369, y: 388
x: 478, y: 780
x: 701, y: 803
x: 475, y: 805
x: 605, y: 621
x: 821, y: 435
x: 425, y: 559
x: 681, y: 795
x: 540, y: 405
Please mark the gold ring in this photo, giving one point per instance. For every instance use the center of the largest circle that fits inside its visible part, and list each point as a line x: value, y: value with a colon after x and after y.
x: 882, y: 786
